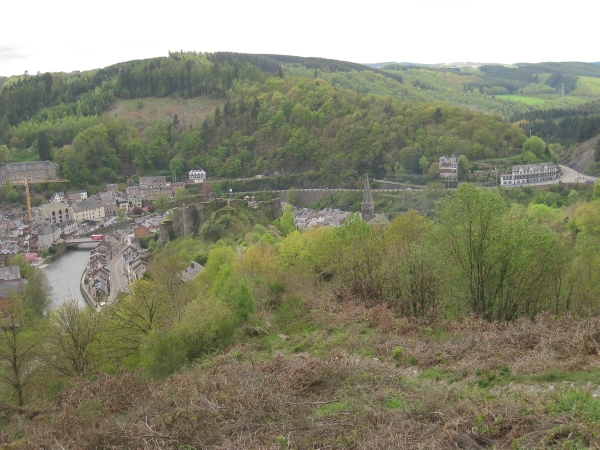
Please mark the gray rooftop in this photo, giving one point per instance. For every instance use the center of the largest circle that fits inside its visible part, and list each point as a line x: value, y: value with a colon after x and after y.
x: 26, y: 166
x: 10, y: 273
x: 86, y: 204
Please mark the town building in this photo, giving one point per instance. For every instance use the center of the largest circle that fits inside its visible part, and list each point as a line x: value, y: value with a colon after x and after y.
x: 197, y: 175
x: 47, y: 234
x: 67, y: 228
x: 177, y: 185
x: 153, y: 181
x: 449, y: 167
x: 54, y: 212
x: 57, y: 197
x: 109, y: 201
x: 88, y: 209
x: 37, y: 170
x: 192, y: 271
x: 128, y: 202
x: 147, y: 226
x: 76, y: 196
x: 147, y: 192
x: 530, y: 173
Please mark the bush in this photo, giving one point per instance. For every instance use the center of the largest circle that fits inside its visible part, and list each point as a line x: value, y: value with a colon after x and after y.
x: 289, y: 310
x: 145, y: 241
x: 164, y: 354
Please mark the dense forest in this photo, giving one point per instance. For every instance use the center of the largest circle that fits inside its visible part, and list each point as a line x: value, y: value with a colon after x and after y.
x: 266, y: 124
x: 287, y: 114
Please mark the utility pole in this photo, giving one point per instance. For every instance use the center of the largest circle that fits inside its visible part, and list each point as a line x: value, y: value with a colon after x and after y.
x: 530, y: 134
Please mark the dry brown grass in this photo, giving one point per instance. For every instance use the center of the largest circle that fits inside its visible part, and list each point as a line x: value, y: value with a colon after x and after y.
x: 333, y: 396
x: 189, y: 111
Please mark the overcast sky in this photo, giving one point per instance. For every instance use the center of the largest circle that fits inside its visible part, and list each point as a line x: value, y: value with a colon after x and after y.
x: 74, y: 35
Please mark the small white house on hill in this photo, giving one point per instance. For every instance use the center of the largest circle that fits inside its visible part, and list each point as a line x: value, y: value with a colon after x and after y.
x: 197, y: 175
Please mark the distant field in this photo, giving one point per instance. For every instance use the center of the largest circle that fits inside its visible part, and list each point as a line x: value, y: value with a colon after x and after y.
x: 142, y: 112
x: 587, y: 87
x: 522, y: 99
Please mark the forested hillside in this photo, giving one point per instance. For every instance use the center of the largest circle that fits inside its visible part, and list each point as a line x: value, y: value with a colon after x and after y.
x: 269, y: 122
x: 272, y: 114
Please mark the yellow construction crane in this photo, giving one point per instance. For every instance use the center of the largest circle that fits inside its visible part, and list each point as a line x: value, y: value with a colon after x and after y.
x: 27, y: 182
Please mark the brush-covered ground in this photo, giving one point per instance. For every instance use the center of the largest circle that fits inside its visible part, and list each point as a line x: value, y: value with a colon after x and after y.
x: 327, y: 373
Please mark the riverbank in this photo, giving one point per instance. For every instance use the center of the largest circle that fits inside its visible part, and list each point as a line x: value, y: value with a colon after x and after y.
x: 84, y: 292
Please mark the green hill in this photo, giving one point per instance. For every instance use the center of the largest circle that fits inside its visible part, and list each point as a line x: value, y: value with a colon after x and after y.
x: 239, y: 115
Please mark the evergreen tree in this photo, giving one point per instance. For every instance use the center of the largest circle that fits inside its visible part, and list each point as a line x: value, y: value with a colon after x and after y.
x: 43, y: 146
x: 255, y: 108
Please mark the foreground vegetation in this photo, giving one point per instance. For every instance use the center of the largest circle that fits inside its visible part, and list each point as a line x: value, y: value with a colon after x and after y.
x: 474, y: 328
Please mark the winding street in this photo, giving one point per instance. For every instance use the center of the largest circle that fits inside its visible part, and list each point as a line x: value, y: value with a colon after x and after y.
x: 572, y: 176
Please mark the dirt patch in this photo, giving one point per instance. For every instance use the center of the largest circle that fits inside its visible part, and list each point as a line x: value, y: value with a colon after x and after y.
x: 580, y: 156
x: 140, y: 113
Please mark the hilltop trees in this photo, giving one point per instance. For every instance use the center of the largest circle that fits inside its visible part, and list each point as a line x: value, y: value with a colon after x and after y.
x: 264, y: 124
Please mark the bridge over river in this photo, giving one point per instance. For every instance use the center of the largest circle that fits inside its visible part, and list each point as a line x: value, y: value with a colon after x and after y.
x: 76, y: 241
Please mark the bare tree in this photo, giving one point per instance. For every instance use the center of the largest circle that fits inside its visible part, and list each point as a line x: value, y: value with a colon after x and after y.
x: 19, y: 349
x: 73, y: 339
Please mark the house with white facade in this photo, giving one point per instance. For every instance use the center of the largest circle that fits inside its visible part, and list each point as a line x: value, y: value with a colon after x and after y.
x: 530, y: 173
x: 449, y: 167
x: 88, y: 209
x: 197, y: 175
x: 57, y: 197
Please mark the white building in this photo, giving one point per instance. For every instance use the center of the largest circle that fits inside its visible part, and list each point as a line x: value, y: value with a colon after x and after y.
x: 530, y: 173
x: 197, y: 175
x: 57, y: 197
x: 88, y: 209
x: 449, y: 167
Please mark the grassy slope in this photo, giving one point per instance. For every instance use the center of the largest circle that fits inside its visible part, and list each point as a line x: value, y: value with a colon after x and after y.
x: 189, y: 111
x: 329, y: 374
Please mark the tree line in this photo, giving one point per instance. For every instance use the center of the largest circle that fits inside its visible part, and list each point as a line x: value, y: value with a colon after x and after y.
x: 476, y: 255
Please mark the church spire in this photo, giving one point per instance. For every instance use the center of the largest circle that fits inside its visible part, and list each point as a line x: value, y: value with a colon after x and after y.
x: 367, y: 207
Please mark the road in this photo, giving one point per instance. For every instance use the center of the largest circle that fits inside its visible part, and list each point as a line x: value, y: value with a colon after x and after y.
x: 572, y: 176
x: 117, y: 278
x: 569, y: 176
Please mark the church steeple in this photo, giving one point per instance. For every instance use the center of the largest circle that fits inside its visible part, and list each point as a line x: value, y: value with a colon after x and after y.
x: 367, y: 207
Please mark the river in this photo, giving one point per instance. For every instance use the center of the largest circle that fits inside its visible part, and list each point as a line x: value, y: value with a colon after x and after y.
x: 64, y: 274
